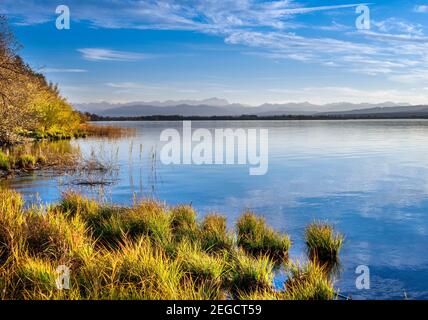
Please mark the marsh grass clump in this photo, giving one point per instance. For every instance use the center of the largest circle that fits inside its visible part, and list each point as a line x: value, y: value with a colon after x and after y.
x: 199, y: 265
x: 4, y: 161
x: 308, y: 282
x: 149, y: 218
x: 11, y: 223
x: 322, y: 243
x: 26, y: 161
x: 183, y: 223
x: 214, y: 234
x: 250, y: 273
x: 36, y: 279
x: 257, y: 238
x: 147, y: 268
x: 75, y: 204
x: 51, y: 235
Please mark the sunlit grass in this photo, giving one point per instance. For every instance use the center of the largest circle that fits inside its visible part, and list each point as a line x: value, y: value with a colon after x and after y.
x: 145, y: 251
x: 214, y: 234
x: 256, y: 237
x: 105, y: 131
x: 308, y: 282
x: 322, y: 243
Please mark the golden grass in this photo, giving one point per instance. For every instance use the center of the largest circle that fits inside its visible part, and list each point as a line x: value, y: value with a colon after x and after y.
x: 322, y: 243
x: 106, y: 131
x: 134, y: 253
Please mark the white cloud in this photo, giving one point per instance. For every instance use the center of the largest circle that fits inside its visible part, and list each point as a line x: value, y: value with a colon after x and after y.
x: 421, y: 8
x: 62, y: 70
x: 102, y: 54
x: 398, y: 25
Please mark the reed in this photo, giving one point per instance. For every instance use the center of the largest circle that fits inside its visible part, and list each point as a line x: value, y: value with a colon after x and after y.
x: 106, y: 131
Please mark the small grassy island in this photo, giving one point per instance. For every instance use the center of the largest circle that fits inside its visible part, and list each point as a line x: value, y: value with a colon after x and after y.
x: 150, y: 251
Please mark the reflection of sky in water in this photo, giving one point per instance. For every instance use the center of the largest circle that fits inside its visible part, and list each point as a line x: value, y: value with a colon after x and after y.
x: 370, y: 178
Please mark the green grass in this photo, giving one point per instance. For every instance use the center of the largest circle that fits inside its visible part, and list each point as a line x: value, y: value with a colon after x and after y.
x: 145, y: 251
x: 257, y: 238
x: 322, y: 243
x: 199, y: 265
x: 214, y: 234
x: 4, y: 161
x: 308, y: 282
x: 183, y: 223
x: 30, y: 156
x: 251, y: 273
x: 25, y: 161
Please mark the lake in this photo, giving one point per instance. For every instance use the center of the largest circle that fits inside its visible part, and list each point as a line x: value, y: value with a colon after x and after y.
x: 368, y: 178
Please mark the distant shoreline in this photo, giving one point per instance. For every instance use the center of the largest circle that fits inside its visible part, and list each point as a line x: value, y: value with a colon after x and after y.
x: 400, y: 116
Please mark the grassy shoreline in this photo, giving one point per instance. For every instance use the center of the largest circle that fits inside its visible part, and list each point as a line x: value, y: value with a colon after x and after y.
x: 146, y: 251
x: 42, y: 151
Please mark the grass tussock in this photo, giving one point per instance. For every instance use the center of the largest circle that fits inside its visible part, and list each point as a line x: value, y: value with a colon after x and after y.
x: 256, y: 237
x: 323, y: 243
x: 308, y: 282
x: 146, y: 251
x: 214, y: 234
x: 183, y: 223
x: 250, y: 273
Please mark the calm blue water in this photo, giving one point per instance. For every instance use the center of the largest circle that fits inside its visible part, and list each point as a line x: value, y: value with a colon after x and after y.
x: 368, y: 178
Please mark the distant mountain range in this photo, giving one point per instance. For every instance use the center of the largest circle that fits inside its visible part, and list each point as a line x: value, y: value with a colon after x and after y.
x: 221, y: 107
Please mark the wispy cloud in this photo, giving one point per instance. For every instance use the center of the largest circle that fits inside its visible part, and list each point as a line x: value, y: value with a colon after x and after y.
x: 102, y: 54
x: 62, y: 70
x: 394, y: 49
x: 321, y: 8
x: 130, y: 85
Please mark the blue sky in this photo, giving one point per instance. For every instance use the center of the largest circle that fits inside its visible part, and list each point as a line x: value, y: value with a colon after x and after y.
x: 246, y: 51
